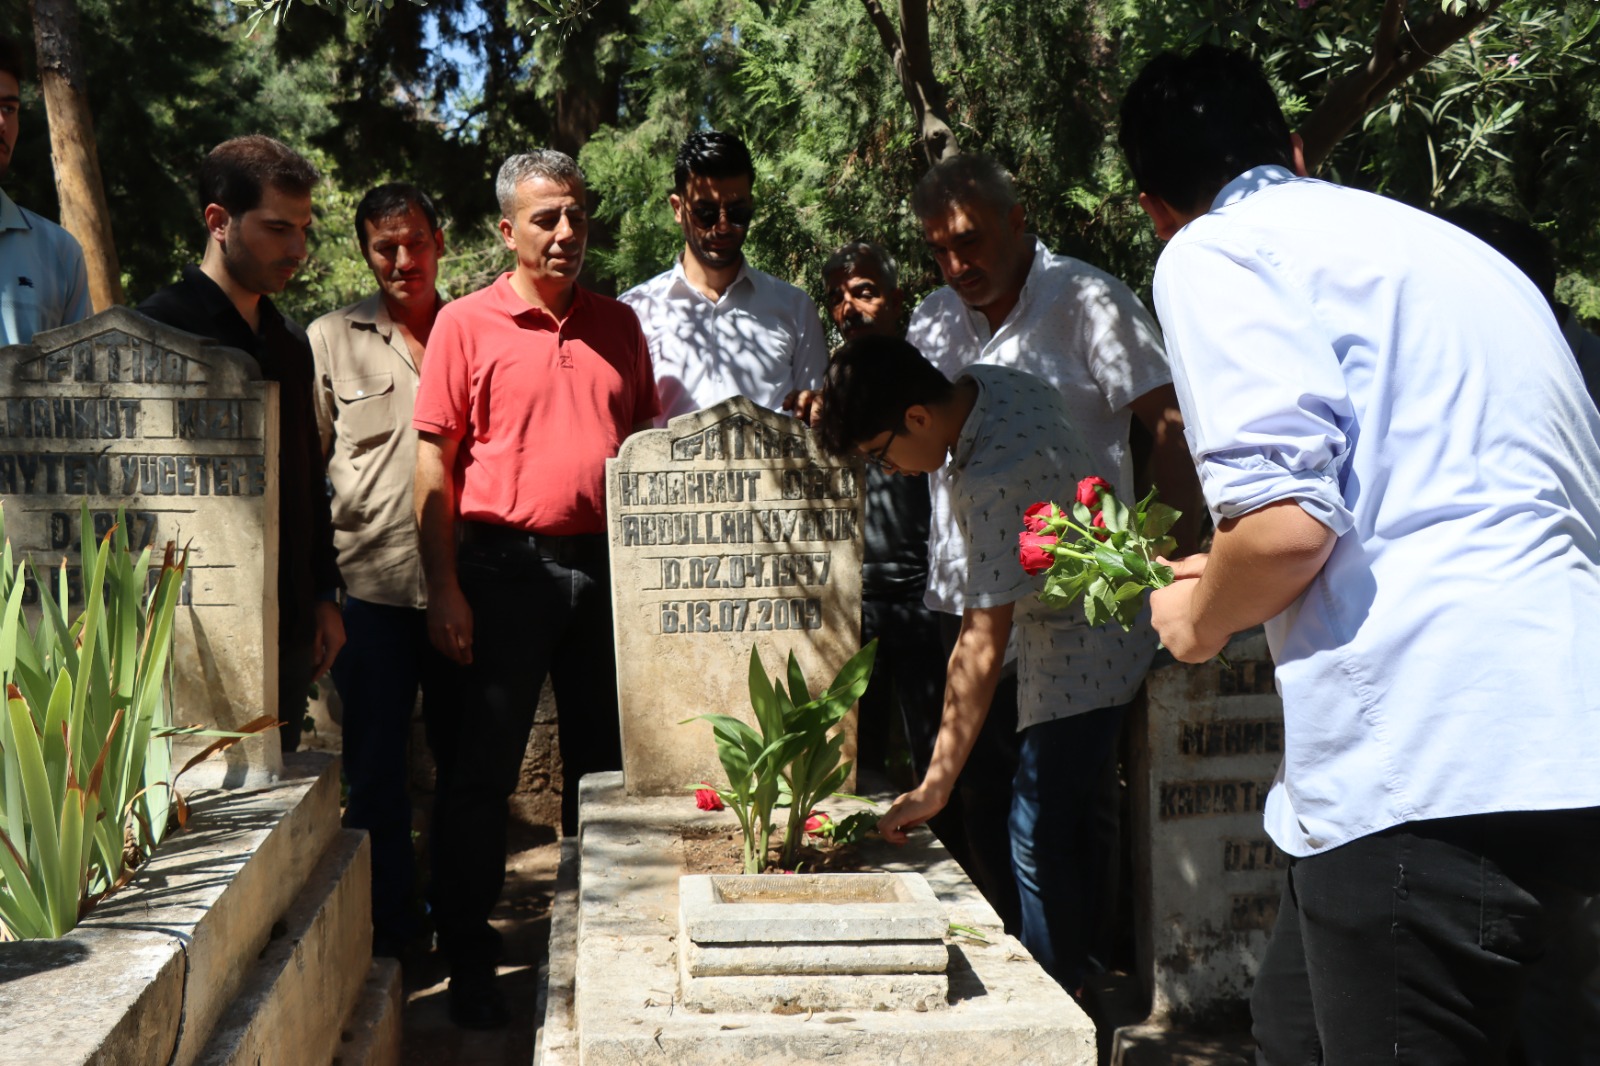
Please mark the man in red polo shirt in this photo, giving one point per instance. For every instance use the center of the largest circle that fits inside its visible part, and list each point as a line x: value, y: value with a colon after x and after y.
x: 528, y: 387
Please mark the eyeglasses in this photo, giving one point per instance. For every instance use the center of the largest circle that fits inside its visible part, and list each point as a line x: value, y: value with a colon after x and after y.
x: 706, y: 214
x: 879, y: 457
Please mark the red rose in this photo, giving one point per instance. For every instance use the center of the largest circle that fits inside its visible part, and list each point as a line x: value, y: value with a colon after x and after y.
x: 707, y: 799
x: 1099, y: 522
x: 1089, y: 490
x: 1035, y: 518
x: 1034, y: 552
x: 818, y: 821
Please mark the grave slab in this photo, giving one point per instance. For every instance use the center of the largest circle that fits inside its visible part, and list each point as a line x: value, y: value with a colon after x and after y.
x: 119, y: 411
x: 728, y: 528
x: 371, y: 1035
x: 803, y: 908
x: 621, y: 1005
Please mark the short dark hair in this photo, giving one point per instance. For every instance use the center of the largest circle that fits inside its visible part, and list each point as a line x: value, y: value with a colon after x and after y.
x: 388, y: 201
x: 966, y: 179
x: 1191, y: 124
x: 869, y: 385
x: 11, y: 57
x: 237, y: 173
x: 711, y: 154
x: 1527, y: 248
x: 847, y: 259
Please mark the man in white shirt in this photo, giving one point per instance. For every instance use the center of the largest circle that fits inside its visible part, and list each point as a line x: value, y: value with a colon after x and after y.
x: 717, y: 326
x: 1010, y: 302
x: 1405, y: 474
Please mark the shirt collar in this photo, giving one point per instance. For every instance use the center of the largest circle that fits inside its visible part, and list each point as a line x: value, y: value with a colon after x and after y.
x: 1036, y: 268
x: 1252, y: 181
x: 374, y: 312
x: 679, y: 278
x: 11, y: 216
x: 517, y: 307
x: 216, y: 302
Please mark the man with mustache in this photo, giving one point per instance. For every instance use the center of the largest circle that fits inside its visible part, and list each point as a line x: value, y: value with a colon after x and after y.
x: 528, y: 387
x: 255, y: 199
x: 43, y: 282
x: 1010, y: 302
x: 717, y: 326
x: 368, y: 362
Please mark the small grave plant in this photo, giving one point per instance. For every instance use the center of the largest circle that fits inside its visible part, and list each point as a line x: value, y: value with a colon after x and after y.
x: 789, y: 758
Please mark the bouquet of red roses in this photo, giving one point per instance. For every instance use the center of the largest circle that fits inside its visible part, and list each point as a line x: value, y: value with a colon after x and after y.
x: 1101, y: 551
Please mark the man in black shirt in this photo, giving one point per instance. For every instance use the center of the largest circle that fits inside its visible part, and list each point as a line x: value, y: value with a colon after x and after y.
x: 255, y: 194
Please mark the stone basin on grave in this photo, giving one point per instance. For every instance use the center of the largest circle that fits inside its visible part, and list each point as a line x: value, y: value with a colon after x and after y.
x: 860, y: 941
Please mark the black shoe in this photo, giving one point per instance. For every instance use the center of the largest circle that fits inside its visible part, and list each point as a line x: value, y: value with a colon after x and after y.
x: 475, y: 1003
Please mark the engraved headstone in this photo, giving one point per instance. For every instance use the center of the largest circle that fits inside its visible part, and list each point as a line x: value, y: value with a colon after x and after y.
x: 1210, y: 876
x: 729, y: 528
x: 120, y: 411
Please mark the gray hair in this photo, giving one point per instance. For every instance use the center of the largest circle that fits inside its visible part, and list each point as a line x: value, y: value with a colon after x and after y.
x: 969, y: 178
x: 546, y: 163
x: 849, y: 256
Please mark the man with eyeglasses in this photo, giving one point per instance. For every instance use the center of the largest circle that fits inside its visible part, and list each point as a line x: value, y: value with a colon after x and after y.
x: 717, y: 326
x: 528, y: 387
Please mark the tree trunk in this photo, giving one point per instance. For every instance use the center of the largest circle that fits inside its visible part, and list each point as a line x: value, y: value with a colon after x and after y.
x: 1399, y: 50
x: 912, y: 55
x: 72, y: 147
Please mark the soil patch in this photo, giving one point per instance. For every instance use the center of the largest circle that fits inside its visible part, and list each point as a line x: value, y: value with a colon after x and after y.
x: 717, y: 850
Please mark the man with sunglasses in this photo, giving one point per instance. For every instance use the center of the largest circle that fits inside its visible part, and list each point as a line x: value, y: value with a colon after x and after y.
x: 717, y: 326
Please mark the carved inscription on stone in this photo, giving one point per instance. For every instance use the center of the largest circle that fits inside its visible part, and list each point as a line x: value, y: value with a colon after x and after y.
x: 728, y: 529
x: 120, y: 412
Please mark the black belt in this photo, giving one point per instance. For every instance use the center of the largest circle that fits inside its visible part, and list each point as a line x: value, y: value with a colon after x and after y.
x: 561, y: 548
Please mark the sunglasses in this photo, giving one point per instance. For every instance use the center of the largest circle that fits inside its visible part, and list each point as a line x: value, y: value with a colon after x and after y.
x: 706, y: 215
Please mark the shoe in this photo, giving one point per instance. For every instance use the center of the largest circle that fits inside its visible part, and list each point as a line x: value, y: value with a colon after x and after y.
x: 475, y: 1003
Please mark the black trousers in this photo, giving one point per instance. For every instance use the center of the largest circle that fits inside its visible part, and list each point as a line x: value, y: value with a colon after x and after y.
x: 1412, y: 945
x: 540, y: 605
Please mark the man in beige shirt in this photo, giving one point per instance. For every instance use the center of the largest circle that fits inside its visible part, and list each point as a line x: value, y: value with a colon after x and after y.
x: 368, y: 360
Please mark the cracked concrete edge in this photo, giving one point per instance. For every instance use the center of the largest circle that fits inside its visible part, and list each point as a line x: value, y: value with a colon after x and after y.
x: 372, y: 1033
x: 555, y: 1040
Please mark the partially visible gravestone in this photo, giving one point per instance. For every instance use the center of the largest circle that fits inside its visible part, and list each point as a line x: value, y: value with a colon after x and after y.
x: 119, y: 411
x: 728, y: 528
x: 1209, y: 875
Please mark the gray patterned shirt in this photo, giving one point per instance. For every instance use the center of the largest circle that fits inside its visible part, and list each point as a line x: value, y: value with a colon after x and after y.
x: 1017, y: 447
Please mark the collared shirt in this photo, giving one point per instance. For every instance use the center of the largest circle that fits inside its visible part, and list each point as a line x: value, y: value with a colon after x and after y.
x: 43, y: 282
x: 762, y: 340
x: 1410, y: 389
x: 538, y: 405
x: 1019, y: 445
x: 1076, y: 327
x: 307, y: 564
x: 366, y: 387
x: 1586, y: 350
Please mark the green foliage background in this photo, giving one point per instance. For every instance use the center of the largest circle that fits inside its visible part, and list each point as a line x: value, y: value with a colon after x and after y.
x: 440, y: 93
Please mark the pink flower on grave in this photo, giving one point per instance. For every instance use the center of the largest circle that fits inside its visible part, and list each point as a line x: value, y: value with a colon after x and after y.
x: 706, y: 798
x: 819, y: 823
x: 1305, y: 3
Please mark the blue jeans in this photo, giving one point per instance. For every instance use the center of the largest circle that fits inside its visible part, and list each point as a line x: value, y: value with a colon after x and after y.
x: 1058, y: 854
x: 385, y: 659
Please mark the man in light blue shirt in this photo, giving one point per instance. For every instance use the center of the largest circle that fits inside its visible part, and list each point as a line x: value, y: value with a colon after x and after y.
x: 43, y: 283
x: 1405, y: 473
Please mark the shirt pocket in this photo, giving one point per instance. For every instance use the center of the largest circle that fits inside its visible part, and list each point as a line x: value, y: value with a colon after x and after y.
x: 364, y: 412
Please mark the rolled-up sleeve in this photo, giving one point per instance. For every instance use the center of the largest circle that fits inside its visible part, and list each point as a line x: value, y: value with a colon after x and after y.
x: 1266, y: 410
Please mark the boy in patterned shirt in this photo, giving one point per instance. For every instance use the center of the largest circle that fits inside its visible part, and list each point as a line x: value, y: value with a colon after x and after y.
x: 1009, y: 443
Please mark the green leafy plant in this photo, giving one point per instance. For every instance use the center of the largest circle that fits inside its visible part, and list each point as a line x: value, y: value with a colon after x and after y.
x: 788, y: 758
x: 85, y: 752
x: 1101, y: 551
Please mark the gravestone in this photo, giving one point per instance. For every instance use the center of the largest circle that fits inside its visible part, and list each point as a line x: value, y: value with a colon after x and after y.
x: 119, y: 411
x: 1209, y: 876
x: 729, y: 528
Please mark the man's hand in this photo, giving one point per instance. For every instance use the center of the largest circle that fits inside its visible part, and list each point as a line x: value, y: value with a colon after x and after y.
x: 1172, y: 613
x: 804, y: 404
x: 450, y: 623
x: 910, y: 810
x: 329, y: 638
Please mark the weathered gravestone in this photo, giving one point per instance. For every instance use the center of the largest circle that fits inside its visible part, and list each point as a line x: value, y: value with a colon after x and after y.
x: 1209, y: 876
x: 120, y: 411
x: 729, y: 528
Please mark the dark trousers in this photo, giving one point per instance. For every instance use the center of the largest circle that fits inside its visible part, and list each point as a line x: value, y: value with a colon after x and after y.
x: 907, y: 679
x: 294, y: 686
x: 976, y: 826
x: 539, y: 606
x: 386, y: 658
x: 1059, y: 853
x: 1412, y: 945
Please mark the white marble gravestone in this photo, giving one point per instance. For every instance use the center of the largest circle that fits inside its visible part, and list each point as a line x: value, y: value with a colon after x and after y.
x: 120, y: 411
x: 1209, y: 876
x: 729, y: 528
